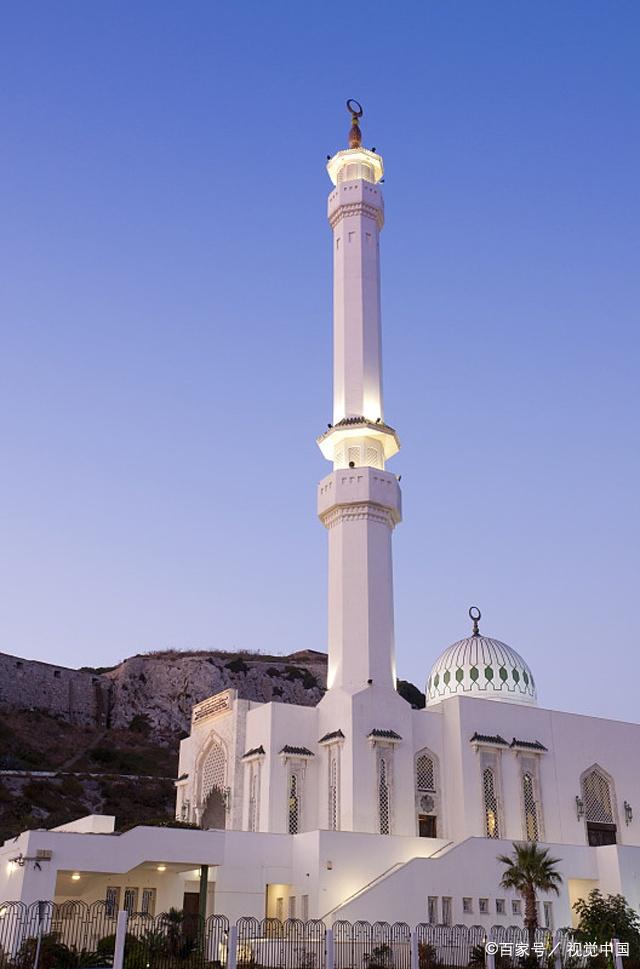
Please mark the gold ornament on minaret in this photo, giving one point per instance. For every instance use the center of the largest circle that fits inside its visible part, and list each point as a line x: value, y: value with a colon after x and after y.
x: 355, y: 135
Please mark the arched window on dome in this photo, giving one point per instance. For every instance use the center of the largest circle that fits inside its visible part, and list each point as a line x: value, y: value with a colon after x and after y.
x: 428, y: 815
x: 598, y: 799
x: 491, y: 813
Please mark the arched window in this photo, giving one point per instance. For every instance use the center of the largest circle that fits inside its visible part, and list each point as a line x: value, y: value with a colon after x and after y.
x: 294, y: 802
x: 530, y: 807
x: 491, y: 821
x: 427, y: 795
x: 254, y: 793
x: 333, y: 772
x: 599, y: 807
x: 384, y: 798
x: 425, y: 774
x: 213, y: 771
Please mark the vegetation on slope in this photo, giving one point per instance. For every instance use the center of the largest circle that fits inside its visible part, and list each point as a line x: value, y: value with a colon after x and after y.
x: 88, y: 765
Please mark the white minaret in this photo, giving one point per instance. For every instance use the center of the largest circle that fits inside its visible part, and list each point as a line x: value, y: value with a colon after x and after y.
x: 359, y: 502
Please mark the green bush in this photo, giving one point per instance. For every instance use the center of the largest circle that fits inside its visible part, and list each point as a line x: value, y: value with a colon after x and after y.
x: 56, y: 955
x: 381, y: 957
x: 603, y: 918
x: 427, y: 957
x: 140, y: 724
x: 237, y: 665
x: 70, y: 786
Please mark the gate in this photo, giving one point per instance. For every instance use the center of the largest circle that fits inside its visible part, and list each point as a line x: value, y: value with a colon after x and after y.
x: 273, y: 944
x: 173, y: 940
x: 371, y: 945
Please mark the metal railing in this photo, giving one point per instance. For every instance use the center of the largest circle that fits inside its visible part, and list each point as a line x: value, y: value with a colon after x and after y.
x: 371, y: 945
x: 49, y: 936
x: 270, y: 943
x: 74, y: 935
x: 450, y: 945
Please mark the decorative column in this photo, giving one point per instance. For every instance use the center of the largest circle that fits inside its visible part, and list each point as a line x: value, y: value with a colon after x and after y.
x: 359, y: 502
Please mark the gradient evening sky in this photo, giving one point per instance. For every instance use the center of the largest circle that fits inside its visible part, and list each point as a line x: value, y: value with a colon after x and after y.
x: 165, y: 301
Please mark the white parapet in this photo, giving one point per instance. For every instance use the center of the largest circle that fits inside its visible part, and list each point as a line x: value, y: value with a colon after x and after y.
x: 342, y: 492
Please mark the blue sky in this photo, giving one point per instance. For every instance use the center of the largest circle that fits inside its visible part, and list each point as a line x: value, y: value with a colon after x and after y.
x: 165, y: 317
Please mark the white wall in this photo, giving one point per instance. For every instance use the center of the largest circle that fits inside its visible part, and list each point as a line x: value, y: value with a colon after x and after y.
x: 467, y: 870
x: 574, y: 743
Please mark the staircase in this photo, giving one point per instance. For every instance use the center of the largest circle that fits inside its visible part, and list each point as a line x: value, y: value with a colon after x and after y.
x: 330, y: 916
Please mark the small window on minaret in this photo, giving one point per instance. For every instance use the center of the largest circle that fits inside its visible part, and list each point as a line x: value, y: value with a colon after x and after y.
x: 338, y: 242
x: 352, y: 236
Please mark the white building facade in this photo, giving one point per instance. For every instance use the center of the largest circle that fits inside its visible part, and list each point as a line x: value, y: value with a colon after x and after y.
x: 362, y: 807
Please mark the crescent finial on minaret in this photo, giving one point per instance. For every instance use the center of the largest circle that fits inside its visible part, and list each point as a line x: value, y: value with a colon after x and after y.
x: 355, y: 135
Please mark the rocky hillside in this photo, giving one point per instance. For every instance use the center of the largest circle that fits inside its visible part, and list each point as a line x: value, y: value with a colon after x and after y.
x: 163, y: 687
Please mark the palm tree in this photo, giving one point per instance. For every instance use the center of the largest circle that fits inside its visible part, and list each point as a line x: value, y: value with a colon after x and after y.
x: 529, y: 870
x: 173, y: 922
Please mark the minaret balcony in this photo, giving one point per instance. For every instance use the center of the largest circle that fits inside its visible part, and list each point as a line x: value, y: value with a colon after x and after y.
x: 371, y: 443
x: 355, y: 163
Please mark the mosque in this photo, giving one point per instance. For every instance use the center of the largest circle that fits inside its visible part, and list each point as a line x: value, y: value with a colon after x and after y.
x: 362, y: 807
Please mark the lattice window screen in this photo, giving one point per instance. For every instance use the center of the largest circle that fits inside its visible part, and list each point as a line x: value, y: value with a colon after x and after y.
x: 333, y: 789
x: 384, y: 800
x: 530, y: 808
x: 425, y: 775
x: 598, y: 803
x: 353, y: 454
x: 213, y: 771
x: 373, y: 457
x: 491, y: 822
x: 294, y: 803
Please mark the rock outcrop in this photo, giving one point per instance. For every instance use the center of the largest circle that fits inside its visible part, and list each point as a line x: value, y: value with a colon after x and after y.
x: 164, y: 687
x: 158, y: 689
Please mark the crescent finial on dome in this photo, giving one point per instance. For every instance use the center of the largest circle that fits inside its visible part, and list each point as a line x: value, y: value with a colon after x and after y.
x: 476, y: 616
